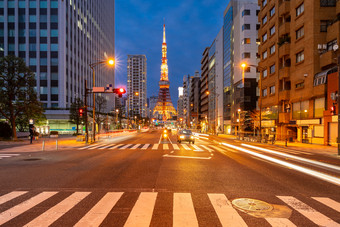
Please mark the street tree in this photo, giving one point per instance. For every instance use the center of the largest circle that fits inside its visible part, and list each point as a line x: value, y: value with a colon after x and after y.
x: 18, y: 97
x: 74, y: 116
x: 101, y: 104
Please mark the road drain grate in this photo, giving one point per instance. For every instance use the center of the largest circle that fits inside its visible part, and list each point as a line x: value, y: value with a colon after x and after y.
x: 252, y: 205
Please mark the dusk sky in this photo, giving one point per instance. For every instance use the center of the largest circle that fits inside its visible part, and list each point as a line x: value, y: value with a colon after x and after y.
x: 191, y: 25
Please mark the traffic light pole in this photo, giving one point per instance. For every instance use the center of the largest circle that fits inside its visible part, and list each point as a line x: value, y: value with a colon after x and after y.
x: 338, y: 109
x: 85, y: 103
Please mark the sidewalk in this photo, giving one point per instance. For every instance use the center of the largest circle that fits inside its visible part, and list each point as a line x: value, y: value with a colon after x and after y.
x: 304, y: 147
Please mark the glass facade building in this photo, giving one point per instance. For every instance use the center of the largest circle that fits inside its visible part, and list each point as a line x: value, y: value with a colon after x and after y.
x: 58, y: 39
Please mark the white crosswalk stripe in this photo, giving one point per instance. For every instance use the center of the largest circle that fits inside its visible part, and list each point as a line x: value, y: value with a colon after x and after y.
x: 10, y: 196
x: 227, y: 214
x: 141, y: 213
x: 165, y: 147
x: 24, y: 206
x: 308, y: 212
x: 175, y: 146
x: 104, y: 147
x: 114, y: 147
x: 50, y: 216
x: 136, y: 146
x: 155, y: 146
x: 186, y: 147
x: 145, y: 146
x: 184, y: 210
x: 126, y: 146
x: 98, y: 213
x: 95, y: 147
x: 197, y: 148
x: 2, y: 156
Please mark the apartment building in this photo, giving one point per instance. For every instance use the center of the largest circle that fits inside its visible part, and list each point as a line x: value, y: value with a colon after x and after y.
x: 136, y: 86
x: 194, y: 100
x: 296, y: 56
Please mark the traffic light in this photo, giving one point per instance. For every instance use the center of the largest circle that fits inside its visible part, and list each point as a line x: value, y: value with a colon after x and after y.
x: 81, y: 112
x: 119, y: 91
x: 333, y: 109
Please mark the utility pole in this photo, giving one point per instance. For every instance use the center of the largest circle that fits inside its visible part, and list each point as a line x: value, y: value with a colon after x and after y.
x: 338, y: 104
x: 85, y: 102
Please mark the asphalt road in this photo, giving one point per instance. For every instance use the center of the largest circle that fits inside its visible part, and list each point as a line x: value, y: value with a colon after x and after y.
x: 142, y: 181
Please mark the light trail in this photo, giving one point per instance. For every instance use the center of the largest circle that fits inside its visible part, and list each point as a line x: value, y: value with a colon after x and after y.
x: 294, y: 157
x: 322, y: 176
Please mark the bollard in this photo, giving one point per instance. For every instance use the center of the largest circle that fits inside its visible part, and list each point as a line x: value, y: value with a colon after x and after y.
x: 56, y: 144
x: 43, y: 145
x: 286, y: 142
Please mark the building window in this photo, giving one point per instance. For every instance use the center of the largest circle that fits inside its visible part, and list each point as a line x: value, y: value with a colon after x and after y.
x: 264, y: 20
x: 43, y: 4
x: 43, y: 47
x: 300, y: 110
x: 246, y: 12
x: 245, y: 27
x: 54, y: 32
x: 300, y: 9
x: 272, y: 11
x: 300, y: 85
x: 245, y: 55
x: 33, y: 33
x: 33, y: 4
x: 264, y: 55
x: 264, y: 37
x: 43, y: 32
x: 327, y: 3
x: 319, y: 107
x: 272, y: 49
x: 247, y: 70
x: 272, y: 90
x: 264, y: 92
x: 300, y: 32
x: 272, y: 30
x: 257, y: 12
x: 264, y: 73
x: 272, y: 69
x: 264, y: 3
x: 246, y: 41
x: 331, y: 44
x: 300, y: 57
x: 324, y: 25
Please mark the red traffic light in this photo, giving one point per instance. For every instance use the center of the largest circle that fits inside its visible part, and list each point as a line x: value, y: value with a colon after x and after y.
x: 119, y: 91
x: 81, y: 111
x: 333, y: 110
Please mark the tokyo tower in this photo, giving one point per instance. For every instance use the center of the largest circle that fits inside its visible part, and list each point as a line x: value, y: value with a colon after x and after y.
x: 164, y: 106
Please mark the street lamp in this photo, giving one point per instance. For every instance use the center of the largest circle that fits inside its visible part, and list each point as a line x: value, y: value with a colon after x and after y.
x: 239, y: 122
x: 117, y: 111
x: 244, y: 65
x: 92, y: 66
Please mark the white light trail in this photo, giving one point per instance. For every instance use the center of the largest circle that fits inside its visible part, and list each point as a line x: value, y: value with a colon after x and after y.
x: 326, y: 177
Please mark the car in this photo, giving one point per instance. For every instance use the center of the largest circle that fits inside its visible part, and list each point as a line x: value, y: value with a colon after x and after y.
x: 185, y: 135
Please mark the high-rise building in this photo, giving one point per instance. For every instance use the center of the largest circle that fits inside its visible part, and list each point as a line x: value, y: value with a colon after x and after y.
x: 299, y: 41
x: 58, y: 40
x: 180, y: 113
x: 194, y: 99
x: 153, y: 102
x: 136, y: 85
x: 186, y: 100
x: 204, y: 99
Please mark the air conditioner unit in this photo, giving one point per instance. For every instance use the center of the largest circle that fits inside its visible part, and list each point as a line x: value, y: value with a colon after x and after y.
x: 319, y: 46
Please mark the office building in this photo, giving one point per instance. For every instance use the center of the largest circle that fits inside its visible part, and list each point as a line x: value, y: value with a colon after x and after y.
x: 194, y: 100
x: 58, y: 40
x: 180, y: 113
x: 136, y: 85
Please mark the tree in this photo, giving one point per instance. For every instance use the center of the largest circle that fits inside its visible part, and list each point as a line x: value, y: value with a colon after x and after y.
x: 18, y: 96
x: 75, y: 117
x: 100, y: 108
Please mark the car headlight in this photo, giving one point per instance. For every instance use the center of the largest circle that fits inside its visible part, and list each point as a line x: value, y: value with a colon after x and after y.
x: 182, y: 137
x: 165, y: 135
x: 191, y: 137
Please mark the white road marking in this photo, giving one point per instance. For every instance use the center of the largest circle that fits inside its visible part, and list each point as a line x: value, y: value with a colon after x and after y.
x: 135, y: 147
x: 82, y: 148
x: 105, y: 147
x: 165, y: 147
x: 207, y: 148
x: 51, y: 215
x: 24, y: 206
x: 294, y: 157
x: 175, y: 146
x: 171, y: 152
x: 114, y: 147
x: 155, y: 146
x: 141, y: 213
x: 160, y: 139
x: 197, y: 148
x: 126, y: 146
x: 308, y: 212
x: 186, y: 147
x: 5, y: 156
x: 10, y: 154
x: 95, y: 147
x: 227, y: 215
x: 98, y: 213
x: 328, y: 202
x: 145, y: 146
x: 188, y: 157
x: 313, y: 173
x: 183, y: 211
x: 280, y: 222
x: 10, y: 196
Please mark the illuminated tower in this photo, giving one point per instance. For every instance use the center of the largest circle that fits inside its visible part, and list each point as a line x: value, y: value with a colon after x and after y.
x: 164, y: 105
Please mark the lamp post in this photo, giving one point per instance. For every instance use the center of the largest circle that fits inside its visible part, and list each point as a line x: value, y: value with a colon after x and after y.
x: 244, y: 65
x: 117, y: 112
x: 239, y: 122
x: 92, y: 66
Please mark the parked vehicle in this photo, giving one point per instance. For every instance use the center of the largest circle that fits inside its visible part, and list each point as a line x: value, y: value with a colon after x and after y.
x: 185, y: 135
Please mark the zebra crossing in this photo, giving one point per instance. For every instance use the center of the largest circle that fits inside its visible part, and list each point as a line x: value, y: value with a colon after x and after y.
x: 3, y: 156
x: 187, y: 147
x: 183, y: 212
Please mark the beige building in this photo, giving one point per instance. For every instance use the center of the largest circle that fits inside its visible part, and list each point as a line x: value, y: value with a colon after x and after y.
x: 297, y: 51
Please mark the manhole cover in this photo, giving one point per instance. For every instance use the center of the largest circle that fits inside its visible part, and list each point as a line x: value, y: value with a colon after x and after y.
x: 32, y: 159
x: 247, y: 204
